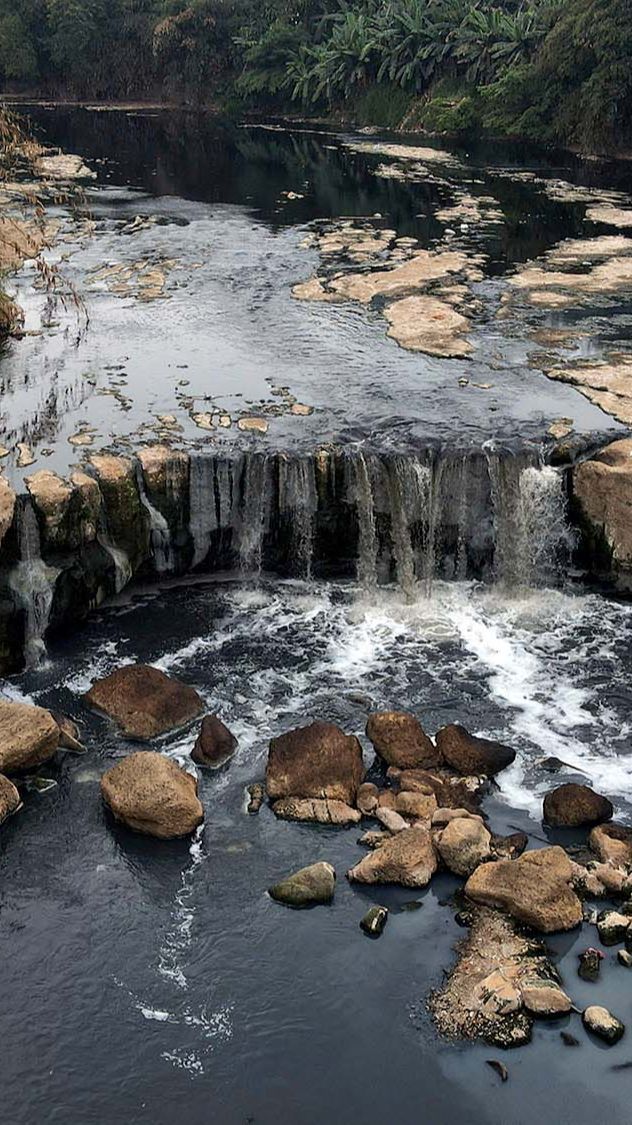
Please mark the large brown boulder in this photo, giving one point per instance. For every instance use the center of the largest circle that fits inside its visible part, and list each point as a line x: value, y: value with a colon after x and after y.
x: 28, y: 736
x: 470, y: 755
x: 612, y: 843
x: 152, y: 794
x: 315, y: 761
x: 10, y: 800
x: 407, y: 859
x: 214, y: 744
x: 399, y: 740
x: 450, y: 790
x: 144, y: 701
x: 571, y: 805
x: 534, y: 889
x: 463, y: 844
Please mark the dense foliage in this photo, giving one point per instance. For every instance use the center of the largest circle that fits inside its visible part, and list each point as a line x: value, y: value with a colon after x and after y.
x: 548, y: 69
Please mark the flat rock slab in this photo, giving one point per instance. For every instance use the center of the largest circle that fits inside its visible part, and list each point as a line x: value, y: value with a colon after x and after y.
x: 317, y: 810
x: 151, y: 794
x: 533, y: 888
x: 29, y: 736
x: 144, y: 702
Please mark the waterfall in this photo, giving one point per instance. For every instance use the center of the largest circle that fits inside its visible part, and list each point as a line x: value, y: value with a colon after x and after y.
x: 254, y: 512
x: 33, y: 583
x: 201, y: 505
x: 298, y: 501
x: 159, y: 530
x: 367, y: 530
x: 546, y: 539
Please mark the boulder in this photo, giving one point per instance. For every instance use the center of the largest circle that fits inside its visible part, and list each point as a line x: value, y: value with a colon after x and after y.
x: 214, y: 744
x: 602, y: 489
x: 315, y: 761
x: 470, y: 755
x: 10, y: 800
x: 571, y: 806
x: 317, y: 810
x: 399, y: 740
x: 391, y: 820
x: 29, y: 736
x: 441, y: 817
x: 603, y: 1024
x: 126, y: 515
x: 463, y: 844
x: 612, y: 843
x: 387, y: 799
x: 407, y: 859
x: 374, y: 920
x: 612, y: 927
x: 143, y: 701
x: 533, y: 888
x: 509, y: 847
x: 416, y: 806
x: 308, y: 887
x: 153, y: 795
x: 367, y: 797
x: 544, y: 999
x: 450, y: 790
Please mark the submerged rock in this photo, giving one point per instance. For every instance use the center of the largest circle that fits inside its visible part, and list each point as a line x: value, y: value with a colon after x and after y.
x: 315, y: 761
x: 603, y: 1024
x: 308, y: 887
x: 463, y: 844
x: 571, y: 806
x: 544, y: 999
x: 143, y: 701
x: 399, y: 740
x: 374, y: 920
x: 29, y: 736
x: 471, y: 755
x: 533, y: 888
x: 317, y: 810
x: 214, y: 745
x: 407, y: 859
x: 68, y: 733
x: 10, y: 800
x: 153, y: 795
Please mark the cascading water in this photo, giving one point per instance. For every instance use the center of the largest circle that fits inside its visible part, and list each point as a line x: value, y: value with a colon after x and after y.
x: 298, y: 501
x: 255, y: 512
x: 367, y: 531
x: 33, y: 583
x: 159, y: 530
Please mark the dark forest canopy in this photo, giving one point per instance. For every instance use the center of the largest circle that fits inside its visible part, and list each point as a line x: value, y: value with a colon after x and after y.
x: 553, y: 70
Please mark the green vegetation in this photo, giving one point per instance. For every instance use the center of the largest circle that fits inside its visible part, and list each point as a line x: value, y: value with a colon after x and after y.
x: 552, y: 70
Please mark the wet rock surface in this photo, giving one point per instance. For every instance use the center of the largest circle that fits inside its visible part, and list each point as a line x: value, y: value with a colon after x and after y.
x: 408, y: 859
x: 603, y: 1024
x: 29, y: 736
x: 143, y: 701
x: 310, y: 886
x: 316, y: 761
x: 152, y: 794
x: 471, y: 755
x: 571, y: 806
x: 214, y: 745
x: 400, y: 740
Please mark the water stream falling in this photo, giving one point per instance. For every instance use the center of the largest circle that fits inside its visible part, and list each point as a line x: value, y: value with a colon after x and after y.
x: 33, y: 583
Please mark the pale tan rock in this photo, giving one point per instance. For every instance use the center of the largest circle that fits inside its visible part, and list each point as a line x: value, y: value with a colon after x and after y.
x: 165, y: 469
x: 463, y: 845
x: 603, y: 489
x: 426, y: 324
x: 316, y: 810
x: 416, y: 806
x: 151, y: 794
x: 497, y: 994
x: 367, y: 797
x: 253, y: 425
x: 408, y: 859
x: 10, y: 800
x: 612, y: 844
x: 29, y: 736
x: 25, y: 455
x: 535, y: 889
x: 391, y: 820
x: 544, y: 999
x: 415, y: 273
x: 51, y: 495
x: 442, y: 817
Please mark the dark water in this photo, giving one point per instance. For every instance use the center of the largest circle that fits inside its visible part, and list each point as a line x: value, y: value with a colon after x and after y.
x: 143, y: 982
